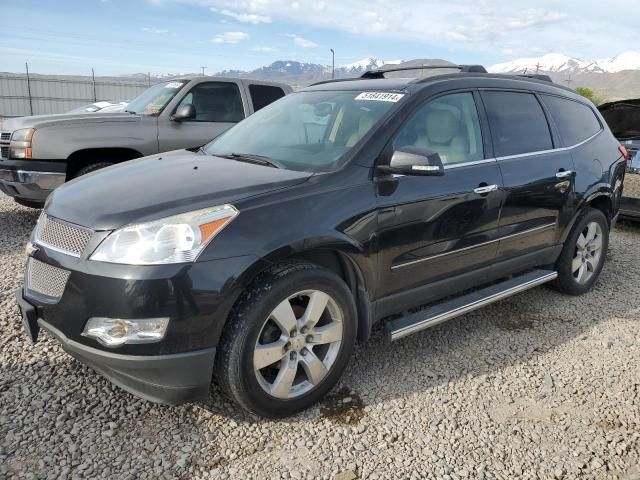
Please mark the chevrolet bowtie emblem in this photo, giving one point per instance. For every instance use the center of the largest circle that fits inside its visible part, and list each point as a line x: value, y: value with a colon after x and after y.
x: 30, y: 249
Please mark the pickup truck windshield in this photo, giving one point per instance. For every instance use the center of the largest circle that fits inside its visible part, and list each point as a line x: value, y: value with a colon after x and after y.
x: 153, y: 100
x: 307, y: 131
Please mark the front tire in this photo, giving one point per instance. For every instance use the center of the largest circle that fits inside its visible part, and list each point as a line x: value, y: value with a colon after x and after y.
x: 91, y: 168
x: 583, y: 254
x: 287, y: 341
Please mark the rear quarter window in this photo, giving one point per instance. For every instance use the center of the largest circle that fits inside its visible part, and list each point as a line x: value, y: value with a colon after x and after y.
x: 263, y: 95
x: 576, y: 122
x: 518, y: 123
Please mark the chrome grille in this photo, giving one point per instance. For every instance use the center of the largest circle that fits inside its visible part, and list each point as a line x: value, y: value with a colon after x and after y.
x: 45, y: 279
x: 62, y: 236
x: 4, y: 152
x: 4, y: 144
x: 5, y: 136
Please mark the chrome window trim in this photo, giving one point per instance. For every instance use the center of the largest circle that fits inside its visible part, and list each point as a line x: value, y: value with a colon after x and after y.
x: 464, y: 249
x: 468, y: 164
x: 543, y: 152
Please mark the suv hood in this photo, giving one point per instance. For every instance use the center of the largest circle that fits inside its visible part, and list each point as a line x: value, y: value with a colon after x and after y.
x: 162, y: 185
x: 623, y: 118
x: 41, y: 121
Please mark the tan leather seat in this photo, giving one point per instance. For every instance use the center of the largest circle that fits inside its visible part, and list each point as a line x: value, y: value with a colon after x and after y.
x: 442, y: 134
x: 364, y: 125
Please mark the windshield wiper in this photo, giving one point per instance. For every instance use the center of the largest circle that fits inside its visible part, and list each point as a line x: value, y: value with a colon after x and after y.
x: 252, y: 158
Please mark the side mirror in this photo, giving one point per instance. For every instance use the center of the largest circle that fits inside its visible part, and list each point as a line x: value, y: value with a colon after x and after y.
x: 414, y: 161
x: 184, y: 112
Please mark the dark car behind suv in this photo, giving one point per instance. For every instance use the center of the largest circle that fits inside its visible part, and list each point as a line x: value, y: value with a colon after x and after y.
x: 623, y: 118
x: 264, y: 256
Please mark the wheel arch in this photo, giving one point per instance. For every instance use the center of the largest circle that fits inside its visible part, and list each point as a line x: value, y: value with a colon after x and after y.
x: 341, y: 259
x: 600, y: 198
x: 88, y: 156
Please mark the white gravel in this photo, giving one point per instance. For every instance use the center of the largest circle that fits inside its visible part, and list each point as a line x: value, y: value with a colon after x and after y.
x: 539, y: 386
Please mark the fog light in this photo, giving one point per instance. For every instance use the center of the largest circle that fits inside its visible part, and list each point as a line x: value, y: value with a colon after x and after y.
x: 113, y: 332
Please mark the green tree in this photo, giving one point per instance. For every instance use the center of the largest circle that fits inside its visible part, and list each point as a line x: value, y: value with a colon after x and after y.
x: 590, y: 94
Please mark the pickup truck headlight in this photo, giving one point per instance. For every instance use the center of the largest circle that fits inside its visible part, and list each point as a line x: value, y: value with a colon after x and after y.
x: 177, y: 239
x: 20, y: 145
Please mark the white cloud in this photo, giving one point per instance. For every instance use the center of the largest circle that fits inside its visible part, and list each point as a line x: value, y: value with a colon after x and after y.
x: 572, y: 26
x: 302, y: 42
x: 157, y: 31
x: 262, y: 49
x: 230, y: 37
x: 244, y: 17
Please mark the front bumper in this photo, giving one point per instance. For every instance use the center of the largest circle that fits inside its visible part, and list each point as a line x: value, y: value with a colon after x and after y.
x: 166, y: 379
x: 31, y: 181
x: 196, y: 297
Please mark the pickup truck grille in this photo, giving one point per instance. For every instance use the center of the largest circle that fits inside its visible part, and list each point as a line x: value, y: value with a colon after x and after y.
x: 5, y: 137
x: 62, y: 236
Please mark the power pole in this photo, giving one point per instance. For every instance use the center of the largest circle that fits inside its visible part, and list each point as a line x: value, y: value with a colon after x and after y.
x: 537, y: 67
x: 333, y: 63
x: 203, y: 70
x: 568, y: 81
x: 93, y: 81
x: 26, y: 65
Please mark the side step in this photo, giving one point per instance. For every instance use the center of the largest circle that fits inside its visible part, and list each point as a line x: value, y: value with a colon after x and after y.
x: 404, y: 326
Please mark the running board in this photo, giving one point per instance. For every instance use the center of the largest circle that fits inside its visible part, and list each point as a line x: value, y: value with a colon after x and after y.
x: 404, y: 326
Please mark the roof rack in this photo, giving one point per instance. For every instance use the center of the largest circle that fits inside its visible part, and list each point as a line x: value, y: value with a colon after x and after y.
x: 536, y: 76
x: 371, y: 74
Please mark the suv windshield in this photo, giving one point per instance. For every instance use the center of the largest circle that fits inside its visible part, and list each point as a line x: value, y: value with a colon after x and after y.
x: 154, y: 99
x: 308, y: 131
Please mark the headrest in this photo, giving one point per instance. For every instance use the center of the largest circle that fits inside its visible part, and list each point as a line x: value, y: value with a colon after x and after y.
x: 442, y: 126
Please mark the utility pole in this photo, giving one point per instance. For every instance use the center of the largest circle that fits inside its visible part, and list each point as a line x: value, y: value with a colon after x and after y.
x: 29, y: 89
x: 333, y: 63
x: 93, y: 81
x: 537, y: 67
x: 568, y: 81
x: 203, y: 70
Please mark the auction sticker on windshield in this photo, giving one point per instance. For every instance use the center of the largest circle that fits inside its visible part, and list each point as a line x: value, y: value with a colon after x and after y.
x: 173, y: 85
x: 380, y: 96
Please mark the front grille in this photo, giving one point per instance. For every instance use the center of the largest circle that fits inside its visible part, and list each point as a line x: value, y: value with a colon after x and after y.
x: 45, y: 279
x: 62, y: 236
x: 5, y: 136
x: 4, y: 152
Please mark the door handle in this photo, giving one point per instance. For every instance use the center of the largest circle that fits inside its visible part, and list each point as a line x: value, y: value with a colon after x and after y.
x: 564, y: 174
x: 486, y: 189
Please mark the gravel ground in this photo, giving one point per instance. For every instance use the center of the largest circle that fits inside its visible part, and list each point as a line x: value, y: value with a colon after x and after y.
x: 538, y: 386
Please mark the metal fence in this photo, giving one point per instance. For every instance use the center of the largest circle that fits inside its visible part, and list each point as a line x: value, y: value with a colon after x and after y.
x: 39, y: 94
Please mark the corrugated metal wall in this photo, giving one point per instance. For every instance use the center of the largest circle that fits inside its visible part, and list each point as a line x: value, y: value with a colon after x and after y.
x: 55, y: 95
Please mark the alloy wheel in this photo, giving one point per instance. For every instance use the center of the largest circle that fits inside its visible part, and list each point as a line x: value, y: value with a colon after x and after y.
x: 298, y: 344
x: 588, y: 253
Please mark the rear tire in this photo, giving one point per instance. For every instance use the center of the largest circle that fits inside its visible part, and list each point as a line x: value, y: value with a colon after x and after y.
x: 91, y: 168
x: 583, y: 254
x: 287, y: 341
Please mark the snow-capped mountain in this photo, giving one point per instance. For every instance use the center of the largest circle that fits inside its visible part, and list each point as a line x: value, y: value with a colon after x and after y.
x: 557, y: 62
x: 368, y: 64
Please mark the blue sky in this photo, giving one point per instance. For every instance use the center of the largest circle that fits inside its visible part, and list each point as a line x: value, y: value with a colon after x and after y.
x: 162, y: 36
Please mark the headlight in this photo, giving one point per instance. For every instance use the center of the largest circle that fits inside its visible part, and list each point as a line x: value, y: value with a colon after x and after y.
x: 176, y: 239
x: 20, y: 145
x: 114, y: 332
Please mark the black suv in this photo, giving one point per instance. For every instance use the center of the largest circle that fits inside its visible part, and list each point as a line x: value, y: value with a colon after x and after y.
x: 264, y: 256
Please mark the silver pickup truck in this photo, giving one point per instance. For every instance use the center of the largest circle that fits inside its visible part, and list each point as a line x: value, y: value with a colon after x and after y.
x: 40, y: 153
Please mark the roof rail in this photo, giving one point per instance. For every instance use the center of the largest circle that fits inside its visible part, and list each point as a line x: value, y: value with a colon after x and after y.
x: 371, y: 74
x: 536, y: 76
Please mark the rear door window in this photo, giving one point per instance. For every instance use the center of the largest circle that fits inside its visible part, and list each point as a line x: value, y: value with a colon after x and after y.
x: 263, y: 95
x: 576, y: 122
x: 518, y: 123
x: 215, y: 102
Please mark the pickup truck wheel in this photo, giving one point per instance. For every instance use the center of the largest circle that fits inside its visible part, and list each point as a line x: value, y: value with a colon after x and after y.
x: 91, y: 168
x: 288, y: 340
x: 583, y: 255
